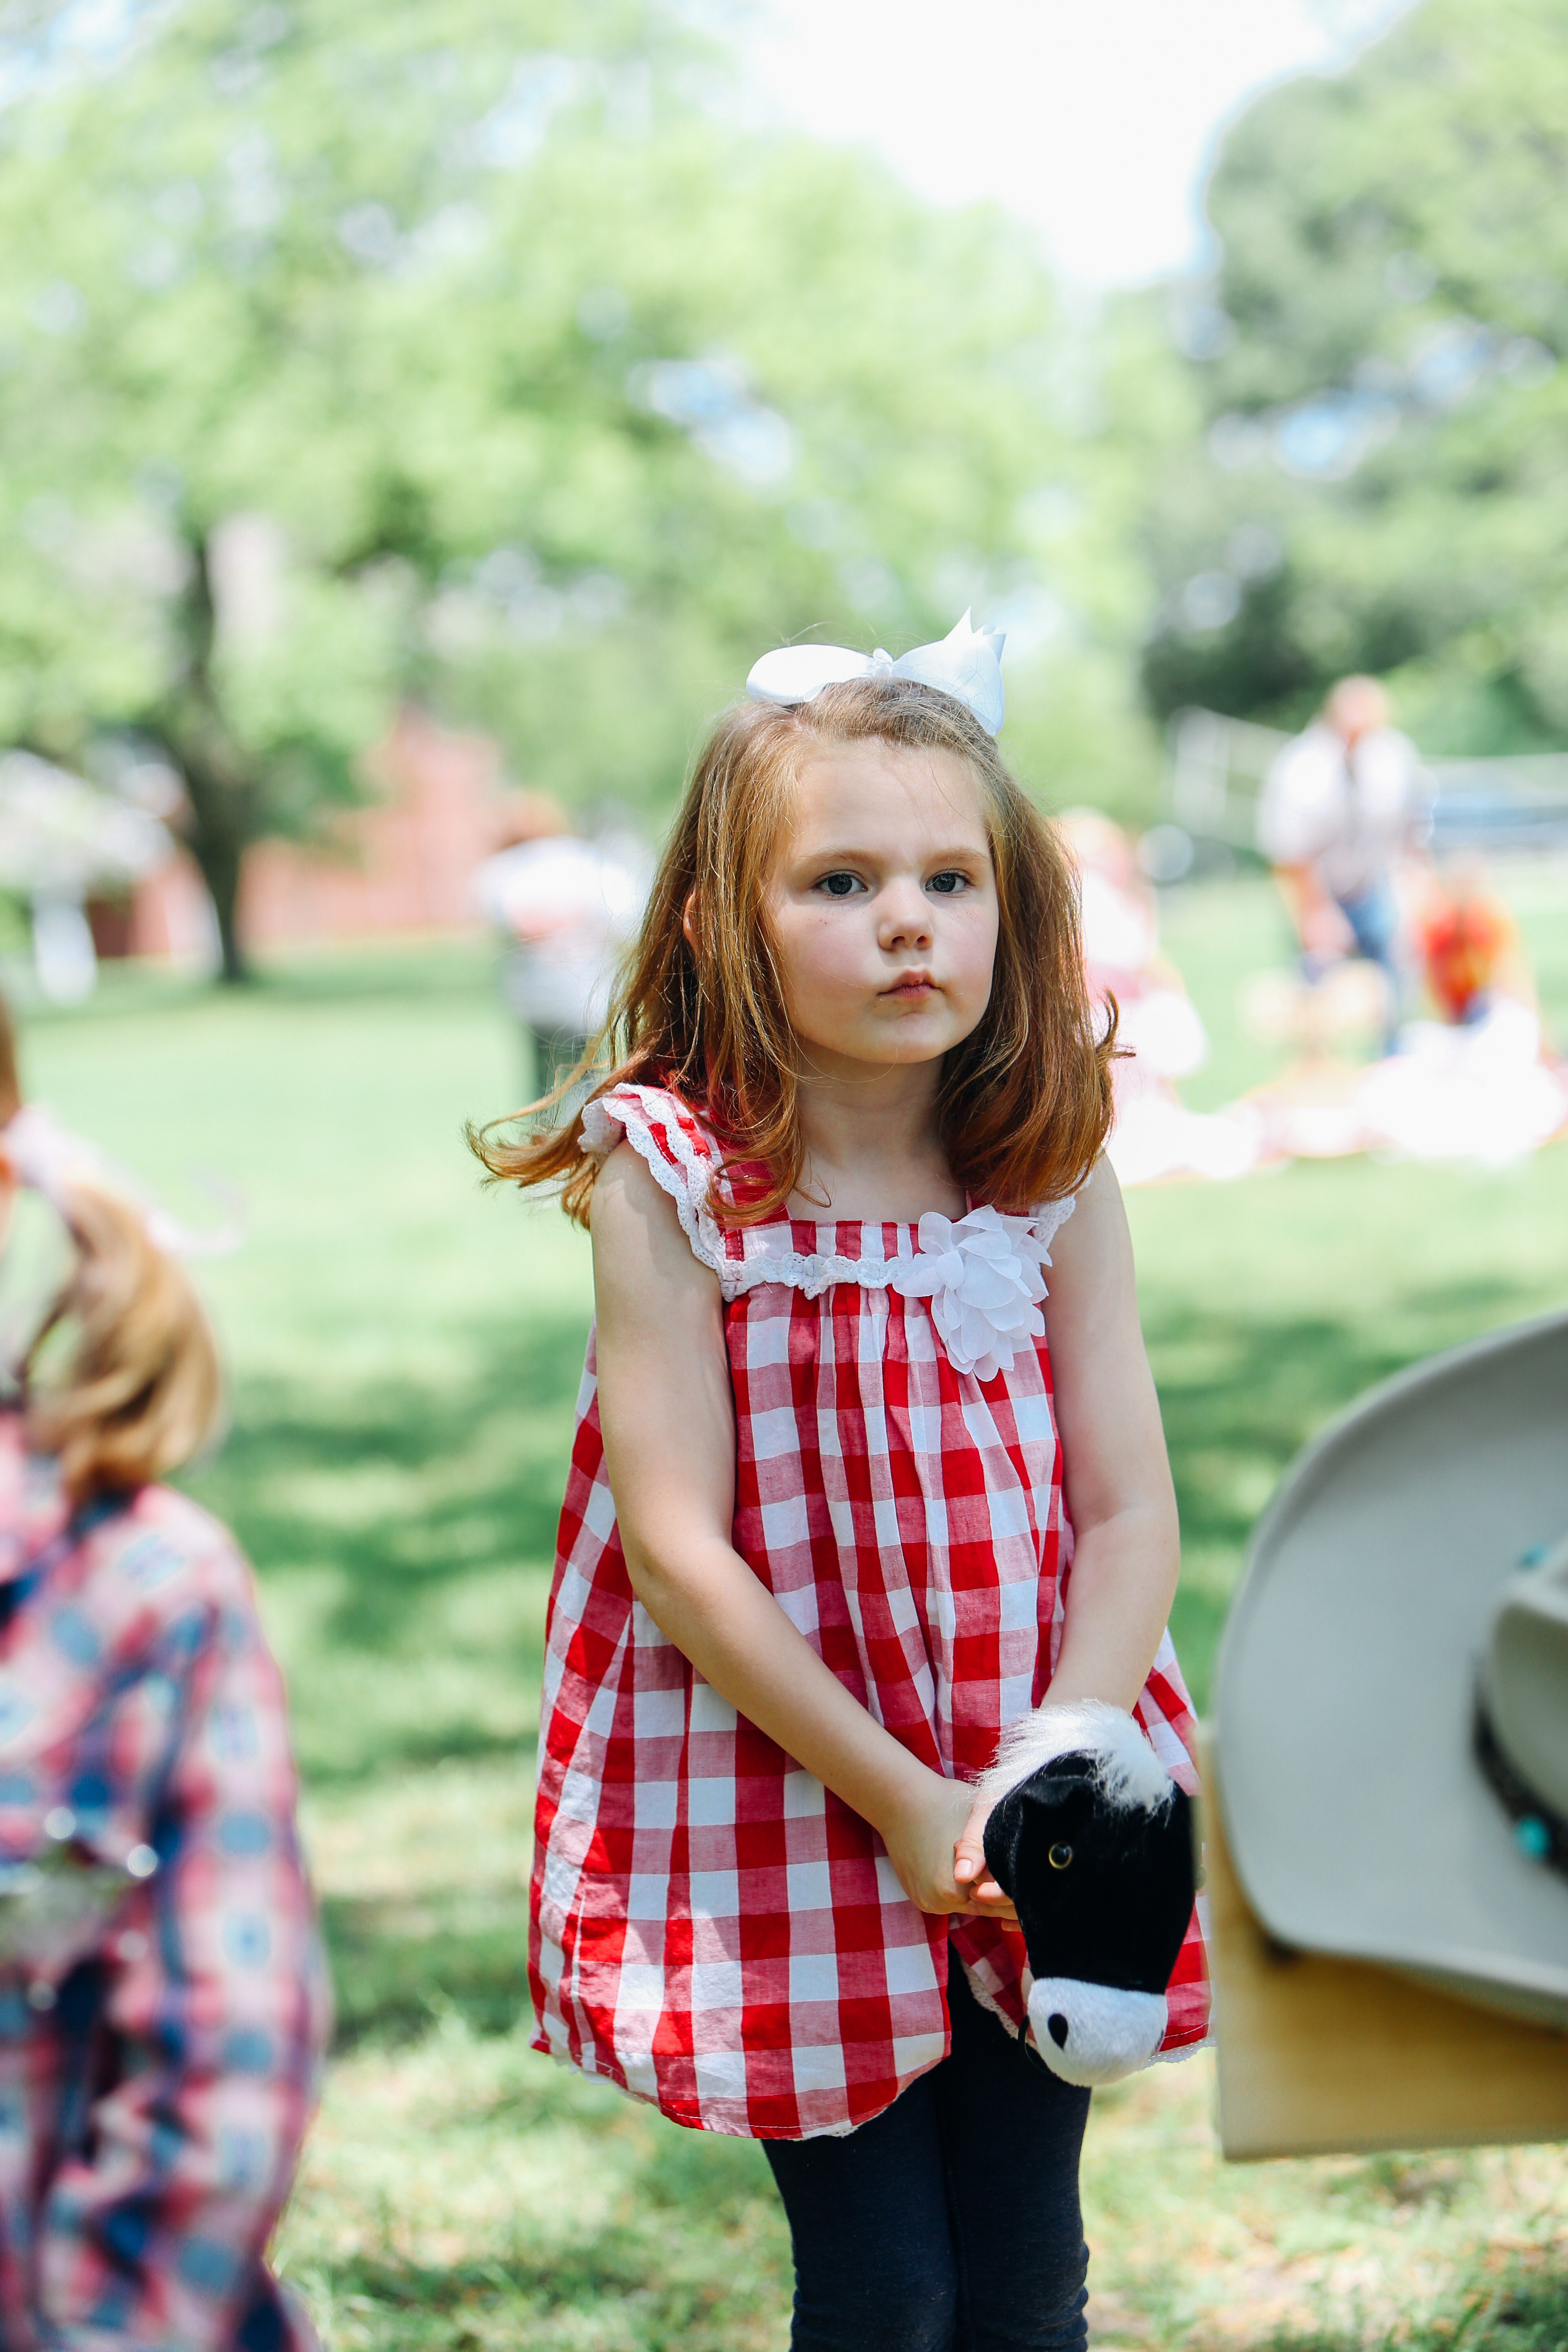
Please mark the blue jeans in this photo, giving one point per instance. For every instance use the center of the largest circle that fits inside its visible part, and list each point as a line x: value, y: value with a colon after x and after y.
x: 1372, y: 915
x: 951, y: 2223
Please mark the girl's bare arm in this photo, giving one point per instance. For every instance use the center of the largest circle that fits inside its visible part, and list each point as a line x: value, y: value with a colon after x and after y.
x: 1115, y: 1476
x: 667, y: 1417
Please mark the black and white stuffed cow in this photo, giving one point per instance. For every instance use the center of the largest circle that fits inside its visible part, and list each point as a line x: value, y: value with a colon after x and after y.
x: 1092, y: 1841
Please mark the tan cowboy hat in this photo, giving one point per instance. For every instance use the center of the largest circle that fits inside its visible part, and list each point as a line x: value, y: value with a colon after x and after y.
x: 1391, y: 1697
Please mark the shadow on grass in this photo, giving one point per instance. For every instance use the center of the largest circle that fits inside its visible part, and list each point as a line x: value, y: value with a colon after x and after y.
x: 624, y: 2288
x: 397, y: 1967
x: 400, y: 1547
x: 359, y: 974
x: 1241, y: 1396
x: 401, y: 1530
x: 146, y: 992
x: 694, y: 2254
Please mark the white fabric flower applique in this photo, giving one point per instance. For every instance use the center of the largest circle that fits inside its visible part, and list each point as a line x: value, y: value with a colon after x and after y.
x: 982, y: 1273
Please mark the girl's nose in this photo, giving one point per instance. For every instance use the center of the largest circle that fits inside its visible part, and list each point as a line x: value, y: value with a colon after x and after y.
x: 905, y: 917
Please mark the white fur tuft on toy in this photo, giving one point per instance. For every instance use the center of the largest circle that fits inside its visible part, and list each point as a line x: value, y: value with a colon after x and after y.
x: 1129, y: 1770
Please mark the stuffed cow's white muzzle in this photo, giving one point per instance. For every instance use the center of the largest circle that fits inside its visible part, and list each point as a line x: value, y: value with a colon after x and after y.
x: 1090, y: 2033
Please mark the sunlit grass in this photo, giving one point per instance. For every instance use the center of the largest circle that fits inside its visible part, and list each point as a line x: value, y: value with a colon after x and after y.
x: 405, y: 1352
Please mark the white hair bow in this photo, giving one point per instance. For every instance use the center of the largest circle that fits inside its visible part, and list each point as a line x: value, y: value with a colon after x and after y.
x: 966, y: 664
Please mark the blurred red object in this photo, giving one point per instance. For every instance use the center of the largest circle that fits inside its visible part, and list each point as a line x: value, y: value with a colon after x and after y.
x: 1468, y: 942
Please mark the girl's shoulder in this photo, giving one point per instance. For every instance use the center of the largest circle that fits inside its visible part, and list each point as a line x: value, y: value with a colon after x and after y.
x: 661, y: 1127
x: 677, y: 1144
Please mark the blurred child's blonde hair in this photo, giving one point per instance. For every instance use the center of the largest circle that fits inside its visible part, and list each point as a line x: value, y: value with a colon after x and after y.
x: 140, y: 1391
x: 1026, y: 1103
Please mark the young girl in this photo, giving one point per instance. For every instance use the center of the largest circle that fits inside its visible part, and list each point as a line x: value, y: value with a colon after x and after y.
x: 162, y: 2002
x: 832, y: 1469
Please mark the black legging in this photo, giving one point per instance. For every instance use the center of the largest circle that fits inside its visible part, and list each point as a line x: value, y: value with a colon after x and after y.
x: 951, y: 2223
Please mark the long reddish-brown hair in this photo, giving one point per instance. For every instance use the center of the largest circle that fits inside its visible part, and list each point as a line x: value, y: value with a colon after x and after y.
x: 1024, y: 1102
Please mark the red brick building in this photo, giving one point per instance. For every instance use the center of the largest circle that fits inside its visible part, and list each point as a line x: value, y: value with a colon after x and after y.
x: 402, y: 863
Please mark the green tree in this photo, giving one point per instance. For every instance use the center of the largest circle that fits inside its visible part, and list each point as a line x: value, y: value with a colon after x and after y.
x: 205, y: 331
x: 480, y: 352
x: 1385, y: 419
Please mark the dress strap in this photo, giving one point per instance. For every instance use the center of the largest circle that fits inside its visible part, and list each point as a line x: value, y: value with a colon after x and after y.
x: 678, y: 1151
x: 1051, y: 1216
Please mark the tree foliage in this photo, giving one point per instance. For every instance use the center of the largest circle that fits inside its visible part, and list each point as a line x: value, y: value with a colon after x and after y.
x: 483, y: 351
x: 1386, y: 420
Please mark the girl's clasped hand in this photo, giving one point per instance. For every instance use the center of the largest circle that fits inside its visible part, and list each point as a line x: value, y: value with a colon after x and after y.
x: 869, y: 1464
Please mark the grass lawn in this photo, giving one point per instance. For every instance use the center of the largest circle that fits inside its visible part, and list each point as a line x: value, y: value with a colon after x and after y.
x: 405, y: 1352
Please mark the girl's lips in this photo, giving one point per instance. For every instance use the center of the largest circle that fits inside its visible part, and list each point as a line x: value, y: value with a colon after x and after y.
x: 914, y: 983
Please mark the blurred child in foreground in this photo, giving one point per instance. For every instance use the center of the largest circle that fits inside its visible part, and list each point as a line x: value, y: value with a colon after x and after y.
x: 162, y: 2001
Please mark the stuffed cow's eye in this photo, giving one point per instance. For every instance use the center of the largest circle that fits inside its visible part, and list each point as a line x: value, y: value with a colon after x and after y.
x: 1060, y: 1856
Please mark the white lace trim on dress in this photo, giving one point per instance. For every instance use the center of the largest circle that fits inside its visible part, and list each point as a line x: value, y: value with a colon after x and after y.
x: 686, y: 1183
x: 980, y: 1271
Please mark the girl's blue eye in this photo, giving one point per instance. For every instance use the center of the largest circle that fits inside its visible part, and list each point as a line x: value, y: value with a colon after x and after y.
x: 838, y: 886
x: 949, y: 882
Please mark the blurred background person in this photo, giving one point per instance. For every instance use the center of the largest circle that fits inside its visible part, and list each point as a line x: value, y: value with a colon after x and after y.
x: 1471, y: 952
x: 1481, y: 1079
x: 567, y: 907
x: 1158, y: 1022
x: 1159, y: 1028
x: 1343, y: 806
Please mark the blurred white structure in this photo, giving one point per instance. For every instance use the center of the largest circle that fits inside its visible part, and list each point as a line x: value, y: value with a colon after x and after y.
x: 63, y: 841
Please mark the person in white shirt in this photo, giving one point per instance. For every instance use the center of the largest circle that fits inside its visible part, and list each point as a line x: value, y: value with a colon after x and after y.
x: 1342, y: 806
x: 568, y: 907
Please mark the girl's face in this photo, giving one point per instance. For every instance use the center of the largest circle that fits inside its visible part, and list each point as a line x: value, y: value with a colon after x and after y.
x: 883, y: 905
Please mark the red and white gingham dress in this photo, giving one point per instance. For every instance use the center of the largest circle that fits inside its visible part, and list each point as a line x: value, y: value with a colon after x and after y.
x: 710, y: 1927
